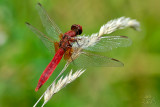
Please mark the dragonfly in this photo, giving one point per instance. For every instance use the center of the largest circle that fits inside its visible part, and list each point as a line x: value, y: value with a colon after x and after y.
x: 72, y: 46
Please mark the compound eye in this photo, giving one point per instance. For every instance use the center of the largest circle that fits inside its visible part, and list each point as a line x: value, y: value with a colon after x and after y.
x: 73, y: 27
x: 77, y: 29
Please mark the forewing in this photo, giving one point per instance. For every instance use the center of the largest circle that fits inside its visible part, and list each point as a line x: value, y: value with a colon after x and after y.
x: 102, y: 44
x: 92, y: 60
x: 45, y: 39
x: 51, y: 28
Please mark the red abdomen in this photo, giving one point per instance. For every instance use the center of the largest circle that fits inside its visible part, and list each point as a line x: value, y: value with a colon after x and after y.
x: 50, y: 68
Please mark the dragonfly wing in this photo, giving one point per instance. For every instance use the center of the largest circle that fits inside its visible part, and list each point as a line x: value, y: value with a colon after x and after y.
x: 51, y: 28
x: 92, y: 60
x: 102, y: 44
x: 108, y: 43
x: 45, y: 39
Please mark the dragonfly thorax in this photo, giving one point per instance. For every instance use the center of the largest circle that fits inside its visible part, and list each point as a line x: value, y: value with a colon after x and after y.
x: 67, y: 39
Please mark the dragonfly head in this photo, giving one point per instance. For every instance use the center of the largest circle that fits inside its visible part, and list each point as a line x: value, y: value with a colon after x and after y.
x: 77, y: 29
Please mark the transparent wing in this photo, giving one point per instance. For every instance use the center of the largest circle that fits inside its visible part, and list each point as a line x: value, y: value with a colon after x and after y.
x: 102, y: 44
x: 51, y: 28
x: 45, y: 39
x: 93, y: 60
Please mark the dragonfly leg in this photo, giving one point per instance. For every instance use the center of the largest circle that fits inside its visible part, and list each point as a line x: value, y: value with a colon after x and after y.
x: 77, y: 43
x: 74, y: 40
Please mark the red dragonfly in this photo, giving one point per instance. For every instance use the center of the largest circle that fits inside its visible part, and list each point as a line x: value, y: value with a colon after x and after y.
x: 69, y: 43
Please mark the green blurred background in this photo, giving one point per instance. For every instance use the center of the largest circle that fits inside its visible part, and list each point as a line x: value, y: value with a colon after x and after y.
x: 23, y: 57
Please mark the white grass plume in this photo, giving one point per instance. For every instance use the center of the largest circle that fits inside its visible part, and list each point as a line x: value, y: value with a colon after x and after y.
x: 119, y: 23
x: 62, y: 82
